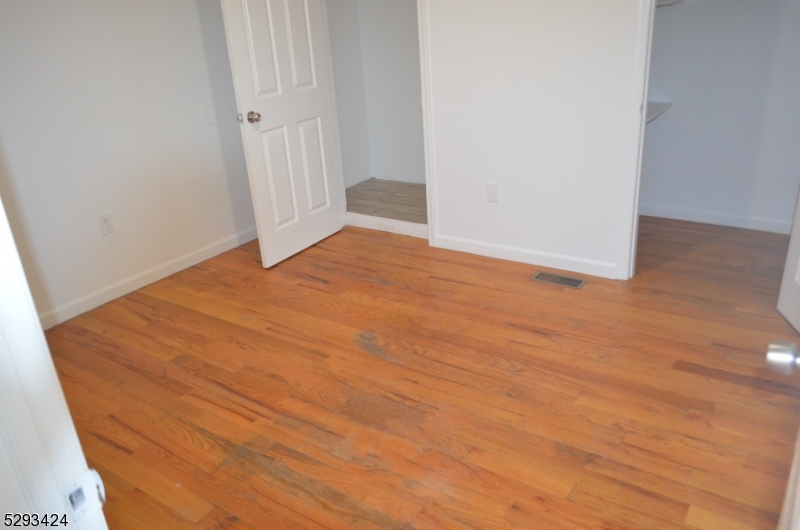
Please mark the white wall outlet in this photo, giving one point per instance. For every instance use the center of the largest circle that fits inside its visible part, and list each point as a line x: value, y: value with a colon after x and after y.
x: 491, y: 192
x: 106, y: 226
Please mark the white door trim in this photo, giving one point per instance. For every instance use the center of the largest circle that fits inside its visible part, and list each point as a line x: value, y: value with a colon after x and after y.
x: 423, y: 21
x: 644, y: 46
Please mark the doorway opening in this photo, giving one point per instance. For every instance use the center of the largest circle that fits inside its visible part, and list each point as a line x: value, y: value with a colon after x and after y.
x: 701, y: 162
x: 375, y: 51
x: 704, y: 164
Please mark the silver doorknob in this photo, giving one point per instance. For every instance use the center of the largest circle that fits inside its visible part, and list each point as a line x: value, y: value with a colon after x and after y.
x: 782, y: 357
x: 253, y: 117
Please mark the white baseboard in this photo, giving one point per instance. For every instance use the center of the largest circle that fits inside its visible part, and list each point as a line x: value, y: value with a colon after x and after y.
x: 99, y: 297
x: 716, y: 218
x: 544, y: 259
x: 387, y: 225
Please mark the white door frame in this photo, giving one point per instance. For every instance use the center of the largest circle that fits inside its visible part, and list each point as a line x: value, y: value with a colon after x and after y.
x: 647, y: 12
x: 423, y: 22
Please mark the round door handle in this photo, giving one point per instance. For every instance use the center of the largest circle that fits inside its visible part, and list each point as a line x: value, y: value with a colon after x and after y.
x: 253, y: 117
x: 782, y: 357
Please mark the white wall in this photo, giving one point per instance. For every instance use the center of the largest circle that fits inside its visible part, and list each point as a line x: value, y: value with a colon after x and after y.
x: 100, y: 111
x: 542, y: 98
x: 351, y: 99
x: 727, y: 152
x: 390, y: 52
x: 375, y: 48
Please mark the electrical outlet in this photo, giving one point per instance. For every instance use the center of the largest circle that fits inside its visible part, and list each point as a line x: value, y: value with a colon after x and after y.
x: 106, y: 226
x: 491, y: 191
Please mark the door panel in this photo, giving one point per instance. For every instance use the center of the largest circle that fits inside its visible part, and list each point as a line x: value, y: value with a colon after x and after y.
x: 30, y: 475
x: 279, y: 175
x: 789, y: 300
x: 300, y: 50
x: 263, y: 54
x: 280, y: 59
x: 314, y: 164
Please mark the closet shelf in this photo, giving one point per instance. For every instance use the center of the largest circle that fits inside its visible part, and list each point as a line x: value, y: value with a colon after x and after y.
x: 665, y: 3
x: 656, y: 109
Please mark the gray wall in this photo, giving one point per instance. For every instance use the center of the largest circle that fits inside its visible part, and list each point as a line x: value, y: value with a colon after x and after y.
x: 378, y: 89
x: 351, y: 98
x: 728, y: 152
x: 100, y: 111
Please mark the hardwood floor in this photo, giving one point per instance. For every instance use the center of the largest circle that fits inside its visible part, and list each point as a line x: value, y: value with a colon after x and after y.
x: 374, y: 382
x: 389, y: 199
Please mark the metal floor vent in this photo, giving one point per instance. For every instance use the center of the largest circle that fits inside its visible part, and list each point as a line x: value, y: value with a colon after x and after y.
x: 572, y: 283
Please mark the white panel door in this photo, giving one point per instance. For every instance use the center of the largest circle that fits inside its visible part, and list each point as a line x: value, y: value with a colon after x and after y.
x: 789, y: 300
x: 41, y: 458
x: 789, y: 305
x: 280, y: 58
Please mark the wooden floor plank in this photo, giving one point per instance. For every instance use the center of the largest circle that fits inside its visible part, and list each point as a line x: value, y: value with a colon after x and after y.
x: 374, y: 382
x: 389, y: 199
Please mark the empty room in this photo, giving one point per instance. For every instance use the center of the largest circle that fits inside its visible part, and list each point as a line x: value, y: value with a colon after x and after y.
x: 400, y: 264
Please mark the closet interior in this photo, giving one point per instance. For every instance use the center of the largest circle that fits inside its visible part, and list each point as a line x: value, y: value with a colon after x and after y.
x: 725, y: 153
x: 375, y: 49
